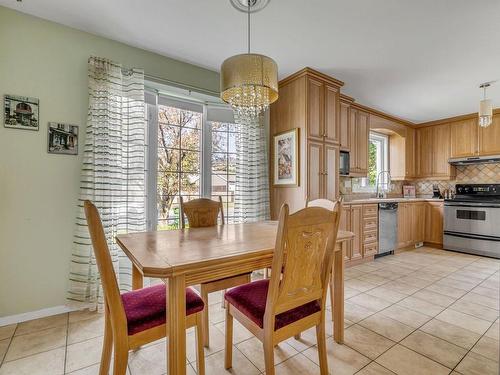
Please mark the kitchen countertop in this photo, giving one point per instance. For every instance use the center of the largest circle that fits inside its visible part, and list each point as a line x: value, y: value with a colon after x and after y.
x: 385, y: 200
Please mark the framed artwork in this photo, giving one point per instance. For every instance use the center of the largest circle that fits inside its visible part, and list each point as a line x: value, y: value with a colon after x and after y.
x: 62, y: 138
x: 286, y: 158
x: 21, y: 112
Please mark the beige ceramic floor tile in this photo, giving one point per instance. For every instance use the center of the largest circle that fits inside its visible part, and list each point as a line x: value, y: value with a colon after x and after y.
x: 85, y: 329
x: 464, y: 320
x: 47, y: 363
x: 370, y: 302
x: 435, y: 348
x: 240, y: 333
x: 409, y: 317
x: 366, y: 342
x: 217, y: 342
x: 254, y: 351
x: 400, y: 287
x: 479, y: 311
x: 41, y: 324
x: 307, y: 339
x: 446, y: 290
x: 387, y: 294
x: 355, y: 313
x: 151, y: 360
x: 36, y: 342
x: 494, y: 331
x: 374, y: 279
x: 76, y: 316
x: 487, y: 347
x: 451, y: 333
x: 404, y: 361
x: 214, y: 364
x: 387, y: 327
x: 4, y: 344
x: 94, y: 370
x: 420, y: 306
x: 466, y: 286
x: 487, y: 292
x: 6, y: 332
x: 374, y: 369
x: 83, y: 354
x: 434, y: 298
x: 298, y: 365
x: 359, y: 285
x: 415, y: 281
x: 488, y: 301
x: 342, y: 360
x: 475, y: 364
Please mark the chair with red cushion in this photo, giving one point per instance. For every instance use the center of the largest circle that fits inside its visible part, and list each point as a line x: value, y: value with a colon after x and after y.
x: 135, y: 318
x: 292, y: 300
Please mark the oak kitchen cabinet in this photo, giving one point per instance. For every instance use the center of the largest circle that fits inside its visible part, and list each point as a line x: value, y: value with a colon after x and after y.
x: 420, y: 222
x: 362, y: 220
x: 359, y: 131
x: 433, y: 144
x: 345, y: 121
x: 309, y: 101
x: 402, y: 165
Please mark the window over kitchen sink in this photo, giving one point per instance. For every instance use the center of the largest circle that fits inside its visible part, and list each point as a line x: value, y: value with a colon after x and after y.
x: 378, y: 161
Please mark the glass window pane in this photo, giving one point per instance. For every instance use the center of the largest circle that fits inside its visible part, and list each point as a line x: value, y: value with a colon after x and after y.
x: 190, y: 161
x: 219, y: 162
x: 231, y: 147
x: 219, y: 126
x: 219, y: 141
x: 190, y: 139
x: 190, y: 184
x: 168, y: 160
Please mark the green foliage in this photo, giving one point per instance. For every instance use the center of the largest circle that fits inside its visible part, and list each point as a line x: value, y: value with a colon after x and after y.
x: 372, y: 164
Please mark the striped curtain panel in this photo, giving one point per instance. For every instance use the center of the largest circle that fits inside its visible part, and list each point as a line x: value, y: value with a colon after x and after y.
x: 252, y: 182
x: 113, y: 175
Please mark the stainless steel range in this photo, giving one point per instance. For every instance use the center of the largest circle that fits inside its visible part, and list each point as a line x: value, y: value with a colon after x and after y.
x: 472, y: 220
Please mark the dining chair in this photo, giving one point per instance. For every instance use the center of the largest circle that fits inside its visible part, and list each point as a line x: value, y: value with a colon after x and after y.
x: 292, y: 300
x: 204, y: 212
x: 138, y: 317
x: 329, y: 205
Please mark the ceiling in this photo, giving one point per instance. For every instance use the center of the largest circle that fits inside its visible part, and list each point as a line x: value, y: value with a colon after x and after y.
x: 419, y: 60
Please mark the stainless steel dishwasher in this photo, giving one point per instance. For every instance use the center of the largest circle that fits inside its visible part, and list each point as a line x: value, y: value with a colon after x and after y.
x: 387, y: 227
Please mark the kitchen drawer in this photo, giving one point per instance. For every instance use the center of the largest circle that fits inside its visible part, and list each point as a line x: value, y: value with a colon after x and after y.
x: 370, y: 210
x: 370, y: 249
x: 370, y: 223
x: 370, y: 236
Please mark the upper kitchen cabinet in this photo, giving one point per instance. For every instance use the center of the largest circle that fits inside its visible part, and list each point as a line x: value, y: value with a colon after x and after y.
x: 345, y: 127
x: 323, y: 110
x: 433, y: 144
x: 464, y: 138
x: 359, y: 130
x: 489, y: 138
x: 310, y: 101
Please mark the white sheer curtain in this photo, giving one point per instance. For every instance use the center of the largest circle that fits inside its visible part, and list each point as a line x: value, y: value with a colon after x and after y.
x: 252, y: 182
x: 112, y: 174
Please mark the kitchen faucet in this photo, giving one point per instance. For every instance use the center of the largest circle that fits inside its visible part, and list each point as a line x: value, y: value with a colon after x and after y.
x: 383, y: 193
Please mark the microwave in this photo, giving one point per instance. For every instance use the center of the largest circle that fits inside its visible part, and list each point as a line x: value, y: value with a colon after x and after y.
x: 344, y: 163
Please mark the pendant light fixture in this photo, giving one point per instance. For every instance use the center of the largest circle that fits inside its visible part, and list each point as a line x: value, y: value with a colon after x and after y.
x: 249, y: 81
x: 485, y: 108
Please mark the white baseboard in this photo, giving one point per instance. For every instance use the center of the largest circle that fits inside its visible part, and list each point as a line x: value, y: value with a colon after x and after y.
x: 43, y: 313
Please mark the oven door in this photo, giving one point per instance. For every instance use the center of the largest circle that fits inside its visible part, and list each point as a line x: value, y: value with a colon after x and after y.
x: 477, y: 219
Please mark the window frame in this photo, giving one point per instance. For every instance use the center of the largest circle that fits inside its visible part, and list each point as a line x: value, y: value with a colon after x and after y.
x: 362, y: 185
x: 152, y: 151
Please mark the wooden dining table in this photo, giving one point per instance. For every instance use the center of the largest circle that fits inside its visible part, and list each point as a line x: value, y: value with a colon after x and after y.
x: 193, y: 256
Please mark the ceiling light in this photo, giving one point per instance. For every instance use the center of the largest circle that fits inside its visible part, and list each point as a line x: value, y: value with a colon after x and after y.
x: 249, y: 81
x: 485, y: 108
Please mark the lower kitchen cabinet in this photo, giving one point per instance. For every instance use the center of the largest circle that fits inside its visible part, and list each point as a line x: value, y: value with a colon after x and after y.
x: 362, y: 220
x: 434, y: 223
x: 420, y: 222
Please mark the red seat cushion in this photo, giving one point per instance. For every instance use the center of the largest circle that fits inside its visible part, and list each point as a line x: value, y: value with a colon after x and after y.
x: 146, y: 308
x: 251, y: 298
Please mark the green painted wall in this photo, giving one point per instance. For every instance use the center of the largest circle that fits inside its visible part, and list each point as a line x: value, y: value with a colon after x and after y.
x: 38, y: 191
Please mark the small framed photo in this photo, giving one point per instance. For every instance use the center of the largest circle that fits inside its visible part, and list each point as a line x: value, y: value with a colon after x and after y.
x: 21, y: 112
x: 62, y: 138
x: 286, y: 158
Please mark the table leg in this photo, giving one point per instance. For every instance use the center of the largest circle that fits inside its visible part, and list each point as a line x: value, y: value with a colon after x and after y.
x: 137, y: 278
x: 338, y: 286
x: 176, y: 322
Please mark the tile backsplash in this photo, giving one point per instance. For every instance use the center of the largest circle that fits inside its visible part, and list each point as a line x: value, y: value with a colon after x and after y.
x: 466, y: 174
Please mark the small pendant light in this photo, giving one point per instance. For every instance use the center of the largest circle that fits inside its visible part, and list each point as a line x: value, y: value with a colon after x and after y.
x: 485, y: 108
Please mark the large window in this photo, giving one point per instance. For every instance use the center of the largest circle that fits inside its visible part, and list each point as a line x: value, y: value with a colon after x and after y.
x: 378, y: 161
x: 192, y: 153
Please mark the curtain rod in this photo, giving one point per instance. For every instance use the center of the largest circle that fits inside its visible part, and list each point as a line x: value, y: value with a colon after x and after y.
x: 180, y: 85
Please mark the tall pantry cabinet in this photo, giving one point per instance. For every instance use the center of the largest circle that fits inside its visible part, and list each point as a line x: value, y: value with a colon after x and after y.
x: 310, y: 101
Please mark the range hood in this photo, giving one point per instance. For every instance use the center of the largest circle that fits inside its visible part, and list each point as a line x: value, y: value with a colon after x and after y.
x: 475, y: 160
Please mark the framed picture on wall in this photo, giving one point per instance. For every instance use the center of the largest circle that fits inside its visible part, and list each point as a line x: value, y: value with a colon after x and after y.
x: 286, y: 158
x: 62, y: 138
x: 21, y: 112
